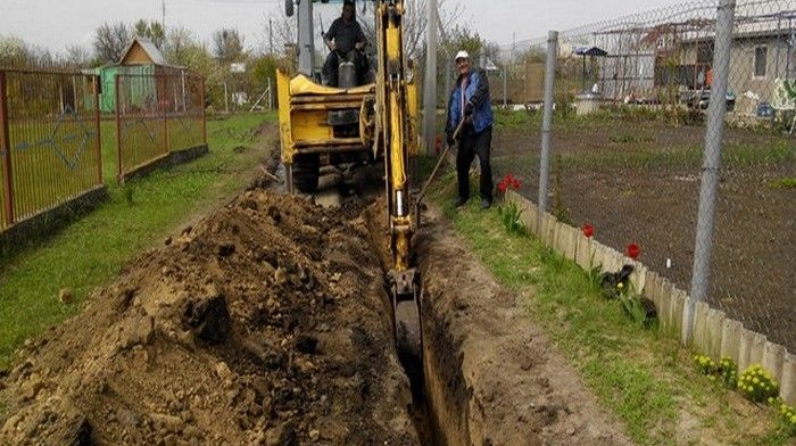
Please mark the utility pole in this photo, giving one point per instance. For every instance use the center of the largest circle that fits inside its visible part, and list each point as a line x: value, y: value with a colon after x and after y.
x: 446, y: 52
x: 163, y: 3
x: 271, y: 36
x: 430, y: 89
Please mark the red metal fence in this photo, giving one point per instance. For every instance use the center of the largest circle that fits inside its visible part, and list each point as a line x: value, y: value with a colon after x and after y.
x: 50, y: 145
x: 157, y: 115
x: 49, y: 141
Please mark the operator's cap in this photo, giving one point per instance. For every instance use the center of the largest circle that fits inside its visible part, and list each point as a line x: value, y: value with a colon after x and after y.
x: 461, y: 55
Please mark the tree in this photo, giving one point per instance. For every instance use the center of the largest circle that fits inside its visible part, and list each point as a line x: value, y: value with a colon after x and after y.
x: 228, y: 46
x: 282, y: 30
x: 16, y: 53
x: 263, y: 75
x: 416, y: 23
x: 180, y: 46
x: 461, y: 38
x: 77, y: 56
x: 13, y: 52
x: 153, y: 31
x: 111, y: 41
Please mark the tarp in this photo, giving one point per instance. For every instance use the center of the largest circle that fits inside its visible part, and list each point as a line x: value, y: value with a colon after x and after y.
x: 591, y: 51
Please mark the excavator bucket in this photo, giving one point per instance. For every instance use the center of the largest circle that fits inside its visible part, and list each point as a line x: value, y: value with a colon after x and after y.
x: 407, y: 323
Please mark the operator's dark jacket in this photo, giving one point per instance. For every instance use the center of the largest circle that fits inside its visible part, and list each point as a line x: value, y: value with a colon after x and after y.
x: 345, y: 35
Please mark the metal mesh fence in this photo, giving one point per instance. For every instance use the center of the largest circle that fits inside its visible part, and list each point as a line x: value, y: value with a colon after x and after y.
x: 50, y: 141
x: 185, y: 119
x: 157, y: 114
x: 633, y: 137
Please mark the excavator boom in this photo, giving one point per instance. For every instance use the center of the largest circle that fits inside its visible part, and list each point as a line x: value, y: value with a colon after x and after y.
x: 394, y: 97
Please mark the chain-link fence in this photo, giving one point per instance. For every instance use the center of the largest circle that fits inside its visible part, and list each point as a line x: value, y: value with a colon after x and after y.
x: 674, y: 133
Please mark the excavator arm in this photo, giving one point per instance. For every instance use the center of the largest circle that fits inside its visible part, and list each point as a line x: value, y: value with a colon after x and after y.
x: 397, y: 116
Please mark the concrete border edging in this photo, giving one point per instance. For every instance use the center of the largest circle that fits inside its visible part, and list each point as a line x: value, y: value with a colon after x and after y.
x: 714, y: 334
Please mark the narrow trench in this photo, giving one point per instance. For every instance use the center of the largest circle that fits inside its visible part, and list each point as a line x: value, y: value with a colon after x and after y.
x: 422, y: 415
x: 422, y: 411
x: 438, y: 395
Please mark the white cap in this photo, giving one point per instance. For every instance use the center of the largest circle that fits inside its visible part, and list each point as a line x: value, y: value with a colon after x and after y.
x: 462, y: 55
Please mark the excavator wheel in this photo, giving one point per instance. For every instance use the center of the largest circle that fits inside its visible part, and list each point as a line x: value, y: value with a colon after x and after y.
x: 305, y: 172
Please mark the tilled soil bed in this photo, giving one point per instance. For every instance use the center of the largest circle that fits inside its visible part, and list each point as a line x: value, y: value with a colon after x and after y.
x: 267, y: 323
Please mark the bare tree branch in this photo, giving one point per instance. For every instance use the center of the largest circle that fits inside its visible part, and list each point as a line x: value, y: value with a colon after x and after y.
x: 111, y: 41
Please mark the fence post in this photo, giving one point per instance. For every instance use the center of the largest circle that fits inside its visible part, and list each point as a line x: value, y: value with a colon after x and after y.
x: 712, y: 159
x: 98, y: 125
x: 547, y: 120
x: 120, y: 160
x: 167, y: 79
x: 5, y: 151
x: 505, y: 83
x: 204, y: 109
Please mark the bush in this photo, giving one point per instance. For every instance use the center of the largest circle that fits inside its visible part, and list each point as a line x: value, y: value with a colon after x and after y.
x: 757, y: 385
x: 788, y: 415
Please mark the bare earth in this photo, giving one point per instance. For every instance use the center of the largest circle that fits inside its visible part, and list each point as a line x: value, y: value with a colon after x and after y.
x: 267, y: 323
x: 655, y: 206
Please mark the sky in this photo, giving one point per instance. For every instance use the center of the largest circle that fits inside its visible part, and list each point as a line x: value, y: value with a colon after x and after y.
x: 56, y: 24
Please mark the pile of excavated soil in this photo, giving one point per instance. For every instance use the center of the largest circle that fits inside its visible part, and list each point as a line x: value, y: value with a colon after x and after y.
x: 266, y: 323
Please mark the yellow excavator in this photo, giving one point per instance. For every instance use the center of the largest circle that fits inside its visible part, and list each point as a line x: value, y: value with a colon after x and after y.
x: 376, y: 122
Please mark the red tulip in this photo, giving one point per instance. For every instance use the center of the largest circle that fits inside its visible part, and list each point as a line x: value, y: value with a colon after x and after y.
x: 588, y: 230
x: 633, y: 251
x: 515, y: 184
x: 502, y: 186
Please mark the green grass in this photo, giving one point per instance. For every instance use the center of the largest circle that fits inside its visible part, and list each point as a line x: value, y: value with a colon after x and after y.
x: 90, y: 252
x: 784, y: 183
x: 640, y: 374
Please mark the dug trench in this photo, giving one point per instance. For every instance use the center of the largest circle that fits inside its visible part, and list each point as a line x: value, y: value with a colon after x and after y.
x: 268, y: 323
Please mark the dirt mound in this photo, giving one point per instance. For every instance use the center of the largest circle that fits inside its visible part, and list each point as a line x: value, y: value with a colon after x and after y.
x: 266, y: 323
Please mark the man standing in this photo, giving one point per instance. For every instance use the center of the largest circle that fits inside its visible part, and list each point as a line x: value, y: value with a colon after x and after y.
x: 344, y: 36
x: 469, y: 102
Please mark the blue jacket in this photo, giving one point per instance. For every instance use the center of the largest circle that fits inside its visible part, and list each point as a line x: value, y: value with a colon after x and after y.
x: 477, y: 94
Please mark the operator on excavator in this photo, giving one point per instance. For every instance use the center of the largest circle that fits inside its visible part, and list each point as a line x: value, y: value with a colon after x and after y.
x: 345, y: 39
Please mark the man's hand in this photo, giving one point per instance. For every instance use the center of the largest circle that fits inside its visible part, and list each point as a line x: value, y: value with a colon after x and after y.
x: 331, y: 45
x: 360, y: 45
x: 450, y: 139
